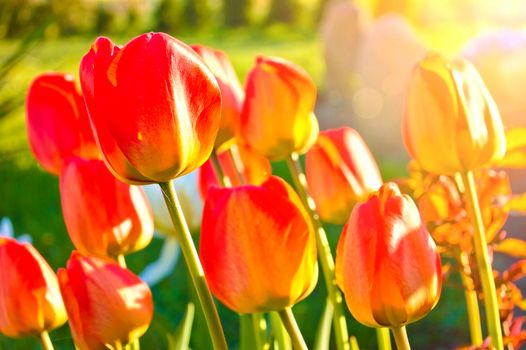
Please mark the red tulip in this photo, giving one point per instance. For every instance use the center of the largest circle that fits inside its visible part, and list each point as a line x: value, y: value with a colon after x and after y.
x: 104, y: 217
x: 340, y: 171
x: 277, y: 117
x: 108, y: 306
x: 154, y: 107
x: 57, y: 122
x: 232, y: 94
x: 255, y: 170
x: 258, y: 247
x: 30, y: 300
x: 386, y: 262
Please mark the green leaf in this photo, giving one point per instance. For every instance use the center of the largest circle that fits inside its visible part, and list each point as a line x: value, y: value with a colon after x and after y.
x: 180, y: 340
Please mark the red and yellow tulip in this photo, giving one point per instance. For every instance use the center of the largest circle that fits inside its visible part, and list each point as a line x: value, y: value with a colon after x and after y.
x: 340, y: 171
x: 386, y: 262
x: 104, y: 216
x: 258, y: 247
x: 154, y: 106
x: 30, y: 300
x: 58, y: 126
x: 108, y: 306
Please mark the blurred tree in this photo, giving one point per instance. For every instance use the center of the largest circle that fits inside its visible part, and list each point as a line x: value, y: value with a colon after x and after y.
x: 168, y: 17
x: 235, y: 12
x: 283, y: 11
x: 105, y: 19
x: 196, y: 13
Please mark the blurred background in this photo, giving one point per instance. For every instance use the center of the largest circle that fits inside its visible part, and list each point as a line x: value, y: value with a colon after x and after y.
x: 360, y: 54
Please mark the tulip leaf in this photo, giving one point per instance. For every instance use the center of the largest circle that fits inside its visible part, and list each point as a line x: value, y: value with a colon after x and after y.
x: 515, y: 149
x: 180, y: 340
x: 323, y: 333
x: 513, y: 247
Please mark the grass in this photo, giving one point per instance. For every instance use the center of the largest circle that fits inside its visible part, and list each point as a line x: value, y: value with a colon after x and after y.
x: 30, y: 198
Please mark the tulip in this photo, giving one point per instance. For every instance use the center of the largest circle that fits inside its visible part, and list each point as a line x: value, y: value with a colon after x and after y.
x: 451, y: 123
x: 277, y: 117
x: 386, y: 262
x: 232, y: 94
x: 108, y: 306
x: 104, y: 217
x: 154, y: 107
x: 57, y: 121
x: 30, y: 300
x: 340, y: 171
x: 255, y: 170
x: 258, y: 247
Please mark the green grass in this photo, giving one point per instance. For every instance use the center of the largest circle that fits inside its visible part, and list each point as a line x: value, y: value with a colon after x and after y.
x: 30, y: 198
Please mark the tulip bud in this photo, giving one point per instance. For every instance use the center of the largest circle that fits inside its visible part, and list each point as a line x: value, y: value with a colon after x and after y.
x: 108, y: 306
x: 57, y: 122
x: 386, y: 262
x: 255, y: 169
x: 340, y: 171
x: 232, y: 94
x: 451, y: 122
x: 104, y: 216
x: 277, y: 117
x: 30, y: 300
x: 154, y: 106
x: 258, y: 247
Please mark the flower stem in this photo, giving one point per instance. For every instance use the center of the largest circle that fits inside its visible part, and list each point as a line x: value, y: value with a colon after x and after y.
x: 194, y: 266
x: 135, y: 344
x: 259, y: 327
x: 401, y: 340
x: 234, y: 154
x: 483, y: 262
x: 292, y: 328
x: 383, y: 338
x: 472, y: 304
x: 45, y: 340
x: 324, y: 253
x: 224, y: 180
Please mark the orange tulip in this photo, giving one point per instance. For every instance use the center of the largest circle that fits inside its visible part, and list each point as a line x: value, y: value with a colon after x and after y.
x: 104, y: 217
x: 277, y: 117
x: 108, y: 306
x: 451, y: 123
x: 30, y: 300
x: 255, y: 170
x: 154, y: 106
x: 386, y: 262
x: 441, y: 201
x: 232, y: 94
x: 57, y: 122
x: 258, y: 247
x: 340, y: 171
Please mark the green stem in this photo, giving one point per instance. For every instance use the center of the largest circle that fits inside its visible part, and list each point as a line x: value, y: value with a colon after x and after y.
x: 484, y: 265
x: 287, y: 317
x: 224, y: 180
x: 400, y: 336
x: 45, y: 340
x: 259, y: 328
x: 194, y: 266
x: 472, y: 304
x: 324, y: 254
x: 122, y: 261
x: 280, y: 335
x: 383, y: 338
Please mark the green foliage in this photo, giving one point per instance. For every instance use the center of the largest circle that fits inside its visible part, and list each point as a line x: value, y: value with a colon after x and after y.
x: 235, y: 12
